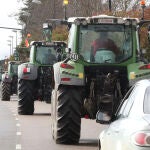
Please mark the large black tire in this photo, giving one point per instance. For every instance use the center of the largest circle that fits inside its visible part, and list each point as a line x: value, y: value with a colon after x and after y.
x: 26, y: 97
x: 6, y: 92
x: 66, y: 115
x: 14, y: 85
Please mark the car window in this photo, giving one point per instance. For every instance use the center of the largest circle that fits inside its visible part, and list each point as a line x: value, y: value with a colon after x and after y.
x: 124, y: 102
x: 146, y: 105
x: 130, y: 97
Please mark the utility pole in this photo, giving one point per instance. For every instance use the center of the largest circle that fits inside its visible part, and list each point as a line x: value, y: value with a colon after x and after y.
x: 12, y: 42
x: 109, y: 6
x: 54, y: 7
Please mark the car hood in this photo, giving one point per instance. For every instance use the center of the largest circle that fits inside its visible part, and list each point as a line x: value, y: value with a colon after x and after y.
x: 147, y: 118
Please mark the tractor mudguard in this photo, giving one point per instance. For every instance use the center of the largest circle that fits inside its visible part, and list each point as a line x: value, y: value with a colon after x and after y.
x: 27, y: 71
x: 6, y: 78
x: 68, y: 76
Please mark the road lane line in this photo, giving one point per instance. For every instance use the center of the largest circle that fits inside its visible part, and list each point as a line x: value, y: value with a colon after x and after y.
x: 18, y: 146
x: 18, y: 125
x: 17, y: 119
x: 18, y: 133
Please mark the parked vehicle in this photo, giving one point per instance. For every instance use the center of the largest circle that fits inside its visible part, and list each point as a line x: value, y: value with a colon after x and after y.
x: 129, y: 128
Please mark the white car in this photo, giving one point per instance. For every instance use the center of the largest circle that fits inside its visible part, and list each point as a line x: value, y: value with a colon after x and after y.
x: 129, y: 128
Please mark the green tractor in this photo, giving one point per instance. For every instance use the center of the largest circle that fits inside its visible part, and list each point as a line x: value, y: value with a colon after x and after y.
x: 35, y: 77
x: 9, y: 81
x: 95, y: 75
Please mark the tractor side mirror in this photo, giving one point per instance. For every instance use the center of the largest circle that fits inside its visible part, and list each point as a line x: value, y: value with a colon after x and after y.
x: 149, y: 33
x: 59, y: 54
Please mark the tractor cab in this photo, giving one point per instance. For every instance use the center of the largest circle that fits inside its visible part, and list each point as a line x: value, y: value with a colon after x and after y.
x: 104, y: 39
x: 47, y: 53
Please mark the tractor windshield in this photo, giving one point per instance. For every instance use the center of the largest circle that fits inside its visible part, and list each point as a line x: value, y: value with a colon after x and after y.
x: 105, y: 43
x: 45, y: 55
x: 14, y: 68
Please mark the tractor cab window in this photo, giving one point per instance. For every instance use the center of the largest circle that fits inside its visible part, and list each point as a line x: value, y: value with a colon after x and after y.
x: 45, y: 55
x: 14, y: 69
x: 105, y: 43
x: 1, y: 70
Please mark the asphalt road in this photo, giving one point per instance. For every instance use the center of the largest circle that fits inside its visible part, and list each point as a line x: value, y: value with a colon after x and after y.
x: 23, y: 132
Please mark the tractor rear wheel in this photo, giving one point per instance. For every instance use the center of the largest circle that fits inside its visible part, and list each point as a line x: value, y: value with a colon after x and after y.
x: 5, y: 91
x: 66, y: 115
x: 26, y: 97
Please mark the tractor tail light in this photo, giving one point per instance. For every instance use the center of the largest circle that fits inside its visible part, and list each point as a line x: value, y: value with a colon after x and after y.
x: 65, y: 79
x: 26, y: 70
x: 141, y: 139
x: 66, y: 66
x: 147, y: 66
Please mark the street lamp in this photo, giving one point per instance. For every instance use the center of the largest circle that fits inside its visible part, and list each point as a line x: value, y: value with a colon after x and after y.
x: 15, y: 31
x: 65, y: 3
x: 142, y: 3
x: 16, y: 54
x: 12, y: 42
x: 10, y: 48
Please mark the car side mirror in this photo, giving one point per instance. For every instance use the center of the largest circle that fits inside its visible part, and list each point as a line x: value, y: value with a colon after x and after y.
x: 103, y: 117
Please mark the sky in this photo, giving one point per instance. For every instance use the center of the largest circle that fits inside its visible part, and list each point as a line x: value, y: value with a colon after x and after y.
x: 7, y: 8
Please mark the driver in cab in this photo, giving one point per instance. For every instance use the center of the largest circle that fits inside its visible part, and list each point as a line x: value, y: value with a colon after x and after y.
x: 104, y: 45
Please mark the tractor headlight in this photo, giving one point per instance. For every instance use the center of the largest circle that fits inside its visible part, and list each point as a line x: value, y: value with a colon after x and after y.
x: 77, y: 22
x: 134, y: 22
x: 84, y: 22
x: 120, y: 21
x: 127, y: 22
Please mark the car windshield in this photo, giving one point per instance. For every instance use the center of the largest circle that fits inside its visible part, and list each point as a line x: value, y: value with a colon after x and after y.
x: 105, y: 43
x: 45, y: 55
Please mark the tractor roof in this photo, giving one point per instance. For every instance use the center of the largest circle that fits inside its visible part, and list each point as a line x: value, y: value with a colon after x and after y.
x: 102, y: 19
x: 44, y: 43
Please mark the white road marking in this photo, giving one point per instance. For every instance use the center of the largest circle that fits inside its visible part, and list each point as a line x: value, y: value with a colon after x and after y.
x: 18, y: 133
x: 18, y: 146
x: 17, y: 119
x: 18, y: 125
